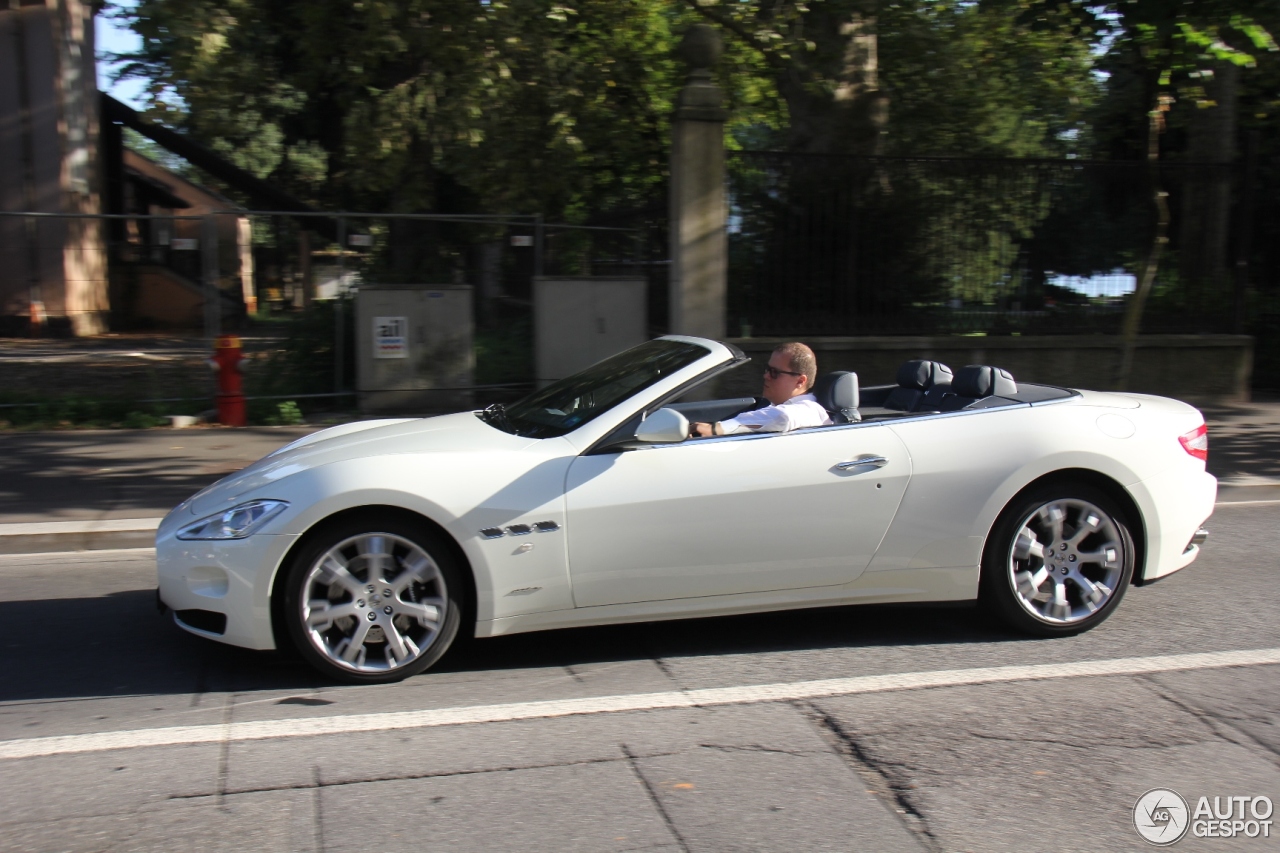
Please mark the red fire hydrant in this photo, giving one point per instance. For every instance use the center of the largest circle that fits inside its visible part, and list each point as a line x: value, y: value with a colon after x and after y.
x: 226, y: 360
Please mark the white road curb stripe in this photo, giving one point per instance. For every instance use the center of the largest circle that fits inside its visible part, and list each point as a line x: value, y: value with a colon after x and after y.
x: 311, y: 726
x: 25, y: 562
x: 102, y: 525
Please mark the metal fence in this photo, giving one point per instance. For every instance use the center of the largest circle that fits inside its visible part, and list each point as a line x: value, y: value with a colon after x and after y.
x: 818, y: 245
x: 284, y: 260
x: 879, y: 245
x: 284, y: 280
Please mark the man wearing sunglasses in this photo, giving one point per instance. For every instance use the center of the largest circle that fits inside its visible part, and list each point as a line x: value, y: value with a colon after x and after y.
x: 788, y: 377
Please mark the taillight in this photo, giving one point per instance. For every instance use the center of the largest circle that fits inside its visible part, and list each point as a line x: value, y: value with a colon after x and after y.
x: 1196, y: 442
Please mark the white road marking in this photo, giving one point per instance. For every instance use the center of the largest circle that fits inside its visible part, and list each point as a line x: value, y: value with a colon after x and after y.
x: 1247, y: 503
x: 101, y: 525
x: 345, y: 724
x: 26, y: 560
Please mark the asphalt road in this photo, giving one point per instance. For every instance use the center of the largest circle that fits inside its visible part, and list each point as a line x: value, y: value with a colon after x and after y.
x: 1002, y: 764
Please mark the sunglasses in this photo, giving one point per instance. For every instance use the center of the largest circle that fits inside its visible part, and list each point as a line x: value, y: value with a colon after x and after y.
x: 773, y: 372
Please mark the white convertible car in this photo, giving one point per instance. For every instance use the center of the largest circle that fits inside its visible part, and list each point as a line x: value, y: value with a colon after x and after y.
x: 368, y: 546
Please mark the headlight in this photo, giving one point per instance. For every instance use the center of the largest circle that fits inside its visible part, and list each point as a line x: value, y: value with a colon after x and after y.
x: 236, y: 523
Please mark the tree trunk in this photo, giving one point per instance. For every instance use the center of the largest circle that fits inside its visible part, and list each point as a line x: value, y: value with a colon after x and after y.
x: 1206, y: 196
x: 1138, y: 300
x: 833, y: 95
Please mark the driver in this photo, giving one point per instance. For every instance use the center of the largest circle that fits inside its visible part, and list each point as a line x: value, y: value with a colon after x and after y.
x: 788, y: 377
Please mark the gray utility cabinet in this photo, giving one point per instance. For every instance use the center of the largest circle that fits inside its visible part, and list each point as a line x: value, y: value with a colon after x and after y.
x: 414, y: 348
x: 579, y: 320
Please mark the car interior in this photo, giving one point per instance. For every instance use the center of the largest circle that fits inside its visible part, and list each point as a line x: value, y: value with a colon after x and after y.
x: 923, y: 387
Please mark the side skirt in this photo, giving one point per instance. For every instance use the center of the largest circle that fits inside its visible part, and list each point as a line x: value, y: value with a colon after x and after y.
x: 920, y: 586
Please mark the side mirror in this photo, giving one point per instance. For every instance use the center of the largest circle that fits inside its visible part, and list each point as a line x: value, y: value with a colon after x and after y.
x: 665, y: 426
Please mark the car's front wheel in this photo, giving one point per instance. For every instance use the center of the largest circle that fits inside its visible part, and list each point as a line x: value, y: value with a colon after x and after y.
x: 372, y: 601
x: 1058, y: 561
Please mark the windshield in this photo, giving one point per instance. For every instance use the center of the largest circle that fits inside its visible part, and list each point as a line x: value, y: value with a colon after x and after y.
x: 569, y: 403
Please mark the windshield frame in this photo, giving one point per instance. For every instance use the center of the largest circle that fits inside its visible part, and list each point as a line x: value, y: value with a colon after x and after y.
x: 569, y: 403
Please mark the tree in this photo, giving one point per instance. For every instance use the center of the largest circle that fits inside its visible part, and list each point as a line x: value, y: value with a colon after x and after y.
x: 448, y: 104
x: 913, y: 76
x: 1187, y: 51
x: 950, y: 78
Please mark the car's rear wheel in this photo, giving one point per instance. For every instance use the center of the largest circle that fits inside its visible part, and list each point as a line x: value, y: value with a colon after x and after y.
x: 1058, y: 561
x: 373, y: 601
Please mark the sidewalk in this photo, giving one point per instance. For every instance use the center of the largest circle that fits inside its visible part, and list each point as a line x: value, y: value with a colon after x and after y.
x: 1244, y: 449
x: 92, y: 489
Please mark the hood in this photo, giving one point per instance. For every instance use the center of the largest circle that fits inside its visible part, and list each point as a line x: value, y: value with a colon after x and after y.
x: 458, y: 433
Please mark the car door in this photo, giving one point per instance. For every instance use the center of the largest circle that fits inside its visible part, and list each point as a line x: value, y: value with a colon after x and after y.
x: 736, y: 514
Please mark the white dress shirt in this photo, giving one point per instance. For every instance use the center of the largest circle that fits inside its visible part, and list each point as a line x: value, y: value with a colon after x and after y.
x: 803, y: 410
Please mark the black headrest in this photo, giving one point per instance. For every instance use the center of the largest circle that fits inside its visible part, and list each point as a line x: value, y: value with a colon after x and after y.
x: 923, y: 375
x: 837, y: 391
x: 980, y: 380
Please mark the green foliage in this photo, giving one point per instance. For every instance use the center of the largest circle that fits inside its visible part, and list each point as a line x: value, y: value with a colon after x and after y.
x: 157, y: 154
x: 423, y: 105
x: 142, y: 420
x: 286, y: 413
x: 1172, y: 49
x: 968, y: 78
x: 564, y: 109
x: 951, y: 78
x: 39, y: 412
x: 912, y: 76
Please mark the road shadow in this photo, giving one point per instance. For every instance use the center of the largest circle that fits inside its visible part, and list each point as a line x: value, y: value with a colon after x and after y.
x: 120, y: 645
x: 1245, y: 452
x: 1244, y: 438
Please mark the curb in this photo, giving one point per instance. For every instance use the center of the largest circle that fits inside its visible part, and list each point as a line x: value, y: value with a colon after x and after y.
x: 48, y: 536
x: 1243, y: 489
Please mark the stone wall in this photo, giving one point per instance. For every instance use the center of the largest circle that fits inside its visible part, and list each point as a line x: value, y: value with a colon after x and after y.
x: 1196, y: 368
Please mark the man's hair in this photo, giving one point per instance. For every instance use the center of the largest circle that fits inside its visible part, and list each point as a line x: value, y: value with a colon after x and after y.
x: 802, y: 360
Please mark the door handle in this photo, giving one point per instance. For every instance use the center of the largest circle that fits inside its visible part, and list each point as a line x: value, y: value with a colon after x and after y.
x: 872, y: 461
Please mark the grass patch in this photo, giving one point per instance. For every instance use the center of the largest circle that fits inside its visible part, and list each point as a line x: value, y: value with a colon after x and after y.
x: 40, y: 412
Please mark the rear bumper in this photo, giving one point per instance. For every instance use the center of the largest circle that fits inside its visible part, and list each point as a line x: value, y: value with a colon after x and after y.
x: 1175, y: 506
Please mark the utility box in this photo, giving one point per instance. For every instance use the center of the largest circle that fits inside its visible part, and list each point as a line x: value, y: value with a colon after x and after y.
x: 414, y: 348
x: 579, y: 320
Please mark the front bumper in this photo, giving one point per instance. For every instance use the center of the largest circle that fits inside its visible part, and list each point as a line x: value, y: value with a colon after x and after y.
x: 232, y: 578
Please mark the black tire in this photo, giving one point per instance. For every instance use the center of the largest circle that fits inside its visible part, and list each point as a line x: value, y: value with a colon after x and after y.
x: 1058, y: 584
x: 340, y: 616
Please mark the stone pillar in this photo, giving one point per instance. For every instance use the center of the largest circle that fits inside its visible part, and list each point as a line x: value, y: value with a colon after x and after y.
x: 50, y: 268
x: 699, y: 248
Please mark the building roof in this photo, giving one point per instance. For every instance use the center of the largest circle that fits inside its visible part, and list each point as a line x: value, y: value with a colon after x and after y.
x: 165, y: 188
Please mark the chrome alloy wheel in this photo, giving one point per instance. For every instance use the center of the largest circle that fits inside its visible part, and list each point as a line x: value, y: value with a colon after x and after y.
x: 373, y: 603
x: 1066, y: 561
